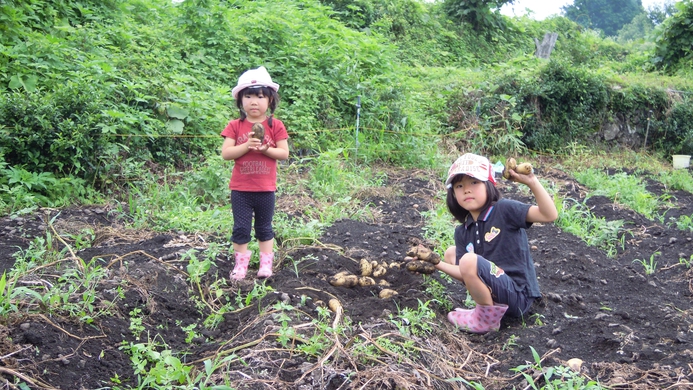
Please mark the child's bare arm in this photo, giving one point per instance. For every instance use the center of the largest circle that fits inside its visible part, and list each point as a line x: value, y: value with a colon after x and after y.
x: 545, y: 210
x: 231, y: 151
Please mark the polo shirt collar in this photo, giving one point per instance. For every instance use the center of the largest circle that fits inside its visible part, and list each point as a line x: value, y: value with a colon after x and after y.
x: 483, y: 216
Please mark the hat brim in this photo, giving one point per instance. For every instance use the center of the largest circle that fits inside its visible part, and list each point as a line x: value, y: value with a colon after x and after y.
x: 490, y: 178
x: 238, y: 88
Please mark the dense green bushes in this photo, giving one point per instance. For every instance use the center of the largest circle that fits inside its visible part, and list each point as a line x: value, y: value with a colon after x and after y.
x: 156, y: 71
x: 94, y: 89
x: 568, y: 106
x: 675, y: 37
x: 556, y: 104
x: 676, y: 132
x: 56, y: 132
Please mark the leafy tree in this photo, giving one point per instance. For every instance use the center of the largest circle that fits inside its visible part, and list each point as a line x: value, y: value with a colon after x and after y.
x: 659, y: 12
x: 483, y: 15
x: 638, y: 28
x: 606, y: 15
x: 357, y: 14
x: 675, y: 38
x: 394, y: 18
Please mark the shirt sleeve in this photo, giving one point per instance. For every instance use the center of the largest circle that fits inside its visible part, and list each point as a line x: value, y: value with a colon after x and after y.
x: 279, y: 132
x: 514, y: 213
x: 231, y: 130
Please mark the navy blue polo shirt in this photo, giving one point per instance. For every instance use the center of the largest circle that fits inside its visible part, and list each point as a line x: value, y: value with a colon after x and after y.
x: 499, y: 236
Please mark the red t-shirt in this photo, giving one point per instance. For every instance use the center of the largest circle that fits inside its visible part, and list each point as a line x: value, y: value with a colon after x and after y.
x: 254, y: 172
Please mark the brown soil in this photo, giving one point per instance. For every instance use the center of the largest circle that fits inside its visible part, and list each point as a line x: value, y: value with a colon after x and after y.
x: 631, y: 330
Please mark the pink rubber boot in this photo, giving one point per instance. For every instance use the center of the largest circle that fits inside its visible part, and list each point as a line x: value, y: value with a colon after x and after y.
x: 481, y: 319
x: 241, y: 267
x: 266, y: 260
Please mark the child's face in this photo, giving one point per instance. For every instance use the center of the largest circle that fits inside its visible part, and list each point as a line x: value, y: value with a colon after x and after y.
x: 470, y: 193
x: 255, y: 105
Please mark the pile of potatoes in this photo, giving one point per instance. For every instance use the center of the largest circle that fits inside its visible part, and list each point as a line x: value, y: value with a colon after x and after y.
x: 369, y: 271
x: 419, y: 259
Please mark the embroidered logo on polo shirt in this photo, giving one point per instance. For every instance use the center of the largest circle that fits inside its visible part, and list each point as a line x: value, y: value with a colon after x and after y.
x: 470, y: 248
x: 492, y: 234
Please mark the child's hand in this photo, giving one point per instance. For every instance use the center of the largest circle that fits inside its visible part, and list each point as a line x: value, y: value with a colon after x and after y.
x: 262, y: 148
x: 254, y: 144
x: 519, y: 173
x: 525, y: 179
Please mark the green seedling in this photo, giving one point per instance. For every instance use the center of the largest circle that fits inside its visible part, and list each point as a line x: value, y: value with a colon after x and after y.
x: 650, y: 266
x: 136, y: 326
x: 510, y: 343
x: 190, y: 333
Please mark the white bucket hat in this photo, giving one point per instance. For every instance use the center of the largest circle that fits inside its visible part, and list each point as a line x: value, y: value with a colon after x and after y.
x: 472, y: 165
x: 254, y: 78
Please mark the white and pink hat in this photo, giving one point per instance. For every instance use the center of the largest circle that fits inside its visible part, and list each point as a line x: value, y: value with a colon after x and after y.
x: 472, y: 165
x: 254, y: 78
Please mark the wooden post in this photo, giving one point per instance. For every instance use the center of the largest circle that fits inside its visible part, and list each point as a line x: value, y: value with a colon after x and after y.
x: 546, y: 46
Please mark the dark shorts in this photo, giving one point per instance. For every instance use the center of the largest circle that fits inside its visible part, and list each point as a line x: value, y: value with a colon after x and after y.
x: 503, y: 288
x: 245, y: 206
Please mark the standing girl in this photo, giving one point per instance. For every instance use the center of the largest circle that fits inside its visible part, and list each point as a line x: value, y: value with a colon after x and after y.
x: 254, y: 177
x: 491, y: 256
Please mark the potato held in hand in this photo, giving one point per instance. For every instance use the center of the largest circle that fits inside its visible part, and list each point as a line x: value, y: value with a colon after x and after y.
x: 422, y: 253
x: 524, y: 169
x: 421, y: 266
x: 511, y: 164
x: 259, y: 131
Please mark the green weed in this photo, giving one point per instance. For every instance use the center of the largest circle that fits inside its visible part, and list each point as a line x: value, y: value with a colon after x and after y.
x: 438, y: 293
x: 259, y: 291
x: 7, y: 296
x: 136, y: 324
x: 577, y: 219
x: 510, y: 343
x: 73, y: 292
x: 154, y: 367
x: 558, y: 378
x: 439, y: 226
x: 314, y: 345
x: 649, y: 265
x: 677, y: 179
x: 414, y: 322
x: 685, y: 222
x: 190, y: 333
x: 311, y: 258
x: 624, y: 189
